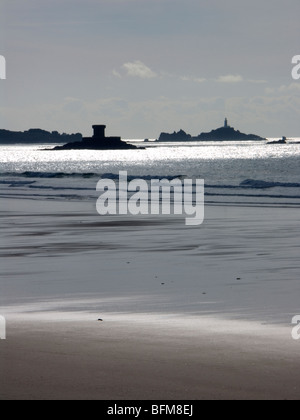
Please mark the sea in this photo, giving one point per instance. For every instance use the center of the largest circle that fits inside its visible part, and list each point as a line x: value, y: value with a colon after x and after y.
x: 251, y: 173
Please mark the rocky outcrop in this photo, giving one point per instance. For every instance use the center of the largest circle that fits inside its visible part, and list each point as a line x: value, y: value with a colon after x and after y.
x: 179, y: 136
x: 36, y: 135
x: 227, y: 133
x: 219, y: 134
x: 97, y: 142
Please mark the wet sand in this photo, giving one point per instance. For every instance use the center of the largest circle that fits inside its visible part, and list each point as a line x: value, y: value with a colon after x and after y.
x: 188, y: 314
x: 115, y: 360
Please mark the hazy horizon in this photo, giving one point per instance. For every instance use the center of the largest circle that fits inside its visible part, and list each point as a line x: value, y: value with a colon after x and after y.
x: 142, y: 67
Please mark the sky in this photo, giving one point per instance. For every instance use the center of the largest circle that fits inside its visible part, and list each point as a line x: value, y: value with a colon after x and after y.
x: 146, y: 66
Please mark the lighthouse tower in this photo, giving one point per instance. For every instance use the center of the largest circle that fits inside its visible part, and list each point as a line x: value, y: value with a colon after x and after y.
x: 226, y: 123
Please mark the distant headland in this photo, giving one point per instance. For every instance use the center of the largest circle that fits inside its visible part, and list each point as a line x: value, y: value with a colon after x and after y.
x: 225, y: 133
x: 100, y: 142
x: 97, y: 142
x: 35, y: 136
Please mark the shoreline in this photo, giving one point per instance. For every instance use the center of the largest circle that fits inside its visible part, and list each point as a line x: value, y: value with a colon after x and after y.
x: 115, y: 360
x: 188, y: 312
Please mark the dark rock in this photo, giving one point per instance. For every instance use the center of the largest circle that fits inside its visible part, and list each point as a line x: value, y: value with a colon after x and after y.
x: 36, y: 135
x: 179, y: 136
x: 97, y: 142
x: 227, y: 133
x: 220, y: 134
x: 281, y: 141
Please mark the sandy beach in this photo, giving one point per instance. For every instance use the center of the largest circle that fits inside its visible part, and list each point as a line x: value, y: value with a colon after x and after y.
x: 187, y: 313
x: 121, y: 360
x: 120, y: 121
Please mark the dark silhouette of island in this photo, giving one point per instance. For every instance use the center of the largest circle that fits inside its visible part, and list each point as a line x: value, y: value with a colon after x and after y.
x: 97, y: 142
x: 36, y: 135
x: 176, y: 136
x: 220, y: 134
x: 281, y: 141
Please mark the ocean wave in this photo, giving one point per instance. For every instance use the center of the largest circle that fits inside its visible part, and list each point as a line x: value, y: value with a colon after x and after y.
x: 50, y: 187
x: 32, y: 177
x: 255, y: 185
x: 43, y: 175
x: 33, y: 174
x: 280, y: 196
x: 16, y: 183
x: 259, y: 184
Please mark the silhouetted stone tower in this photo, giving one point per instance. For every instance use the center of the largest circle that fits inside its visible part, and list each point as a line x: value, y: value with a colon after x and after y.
x: 225, y: 123
x: 99, y: 131
x: 98, y: 142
